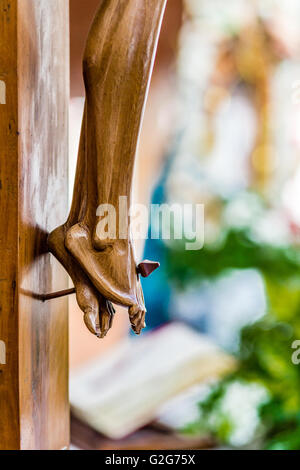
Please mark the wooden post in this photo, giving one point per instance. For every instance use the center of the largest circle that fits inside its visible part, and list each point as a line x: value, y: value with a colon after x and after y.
x: 34, y: 92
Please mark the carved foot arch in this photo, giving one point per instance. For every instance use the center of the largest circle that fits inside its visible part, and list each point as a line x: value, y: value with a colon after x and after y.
x: 117, y: 68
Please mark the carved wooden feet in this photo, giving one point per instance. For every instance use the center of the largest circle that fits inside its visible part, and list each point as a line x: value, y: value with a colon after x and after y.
x: 117, y: 68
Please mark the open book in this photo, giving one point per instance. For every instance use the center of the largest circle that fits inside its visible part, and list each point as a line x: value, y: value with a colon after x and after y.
x: 126, y: 388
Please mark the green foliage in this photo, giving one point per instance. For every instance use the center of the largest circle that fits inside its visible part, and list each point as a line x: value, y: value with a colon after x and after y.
x: 237, y: 250
x: 265, y: 353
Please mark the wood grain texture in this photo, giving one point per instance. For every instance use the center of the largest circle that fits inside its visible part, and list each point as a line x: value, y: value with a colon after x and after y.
x: 9, y: 404
x: 34, y: 410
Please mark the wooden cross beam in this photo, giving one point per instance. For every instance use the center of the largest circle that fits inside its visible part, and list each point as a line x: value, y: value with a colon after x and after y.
x: 34, y: 92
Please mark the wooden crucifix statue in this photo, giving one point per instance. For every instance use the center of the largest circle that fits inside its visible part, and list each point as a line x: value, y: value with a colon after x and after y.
x: 117, y: 68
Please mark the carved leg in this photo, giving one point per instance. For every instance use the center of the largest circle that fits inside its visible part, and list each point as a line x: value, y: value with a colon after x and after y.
x: 97, y: 312
x: 117, y: 69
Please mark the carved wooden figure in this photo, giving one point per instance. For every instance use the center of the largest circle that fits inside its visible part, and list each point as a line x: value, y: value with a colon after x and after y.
x: 117, y: 68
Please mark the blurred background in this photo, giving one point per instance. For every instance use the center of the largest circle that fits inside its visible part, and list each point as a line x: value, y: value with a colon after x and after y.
x: 218, y: 364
